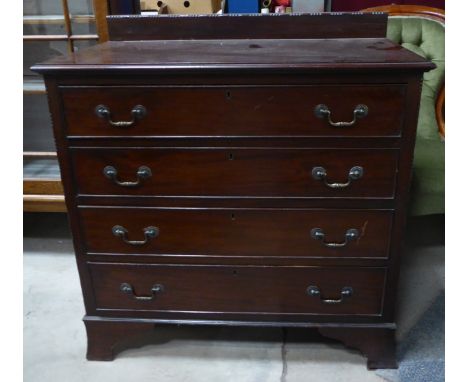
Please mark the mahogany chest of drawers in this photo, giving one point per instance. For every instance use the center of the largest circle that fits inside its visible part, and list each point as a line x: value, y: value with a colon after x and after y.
x: 238, y: 182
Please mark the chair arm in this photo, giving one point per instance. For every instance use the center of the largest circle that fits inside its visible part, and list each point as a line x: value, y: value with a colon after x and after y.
x: 440, y: 112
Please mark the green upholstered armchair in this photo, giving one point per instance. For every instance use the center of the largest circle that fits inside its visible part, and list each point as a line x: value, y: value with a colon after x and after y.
x: 422, y: 30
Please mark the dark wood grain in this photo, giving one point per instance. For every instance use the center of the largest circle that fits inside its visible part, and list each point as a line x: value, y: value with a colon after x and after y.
x: 56, y: 112
x: 229, y: 26
x: 237, y: 172
x: 214, y: 111
x: 238, y: 289
x: 349, y: 54
x: 238, y: 233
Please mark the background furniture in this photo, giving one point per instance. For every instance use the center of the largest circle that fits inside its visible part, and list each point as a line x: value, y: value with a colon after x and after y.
x: 50, y: 28
x: 357, y: 5
x: 284, y: 170
x: 422, y: 30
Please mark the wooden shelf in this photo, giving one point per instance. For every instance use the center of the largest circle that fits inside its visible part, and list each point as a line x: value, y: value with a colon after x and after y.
x: 44, y: 203
x: 42, y: 186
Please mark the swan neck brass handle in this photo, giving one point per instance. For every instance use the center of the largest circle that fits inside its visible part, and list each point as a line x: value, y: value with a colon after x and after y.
x: 355, y: 173
x: 138, y: 112
x: 149, y: 233
x: 128, y: 289
x: 314, y: 291
x: 350, y: 235
x: 322, y: 111
x: 143, y: 173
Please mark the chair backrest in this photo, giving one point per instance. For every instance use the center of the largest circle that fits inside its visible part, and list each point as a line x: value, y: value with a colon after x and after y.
x: 421, y: 30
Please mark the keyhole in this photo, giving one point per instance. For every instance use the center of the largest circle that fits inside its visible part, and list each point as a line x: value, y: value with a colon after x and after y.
x: 233, y: 217
x: 234, y: 272
x: 231, y: 156
x: 228, y: 94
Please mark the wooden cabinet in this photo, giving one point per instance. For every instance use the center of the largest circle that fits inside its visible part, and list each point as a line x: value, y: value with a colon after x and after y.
x: 249, y: 182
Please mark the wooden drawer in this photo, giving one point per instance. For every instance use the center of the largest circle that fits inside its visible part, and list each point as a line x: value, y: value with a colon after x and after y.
x: 236, y: 172
x: 234, y: 111
x: 240, y: 289
x: 238, y: 232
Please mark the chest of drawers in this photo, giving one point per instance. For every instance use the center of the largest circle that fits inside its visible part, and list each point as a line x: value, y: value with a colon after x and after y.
x: 238, y: 182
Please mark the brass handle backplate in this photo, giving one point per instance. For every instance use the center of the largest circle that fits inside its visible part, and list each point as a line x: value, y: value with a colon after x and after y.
x: 355, y: 173
x: 322, y: 111
x: 143, y: 173
x: 128, y: 289
x: 314, y: 291
x: 138, y: 112
x: 149, y: 233
x: 350, y: 235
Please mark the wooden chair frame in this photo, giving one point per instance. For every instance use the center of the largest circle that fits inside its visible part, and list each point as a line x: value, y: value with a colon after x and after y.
x: 427, y: 13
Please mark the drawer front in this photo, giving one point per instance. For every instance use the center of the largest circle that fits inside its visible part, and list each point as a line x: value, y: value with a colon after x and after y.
x: 234, y: 111
x: 248, y: 289
x: 237, y: 172
x: 238, y: 232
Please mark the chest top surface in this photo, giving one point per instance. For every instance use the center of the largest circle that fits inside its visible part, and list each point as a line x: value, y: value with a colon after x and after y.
x: 310, y: 55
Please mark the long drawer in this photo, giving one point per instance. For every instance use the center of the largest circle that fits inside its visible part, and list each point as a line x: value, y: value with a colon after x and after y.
x: 210, y: 172
x: 237, y: 232
x: 366, y: 110
x: 242, y: 289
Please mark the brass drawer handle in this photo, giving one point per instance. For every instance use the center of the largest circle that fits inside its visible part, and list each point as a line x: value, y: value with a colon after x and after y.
x: 143, y: 173
x: 322, y: 111
x: 314, y: 291
x: 138, y: 112
x: 318, y: 234
x: 128, y: 289
x: 149, y: 232
x: 355, y: 173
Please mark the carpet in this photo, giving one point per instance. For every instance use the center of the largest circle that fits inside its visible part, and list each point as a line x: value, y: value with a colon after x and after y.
x: 421, y: 353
